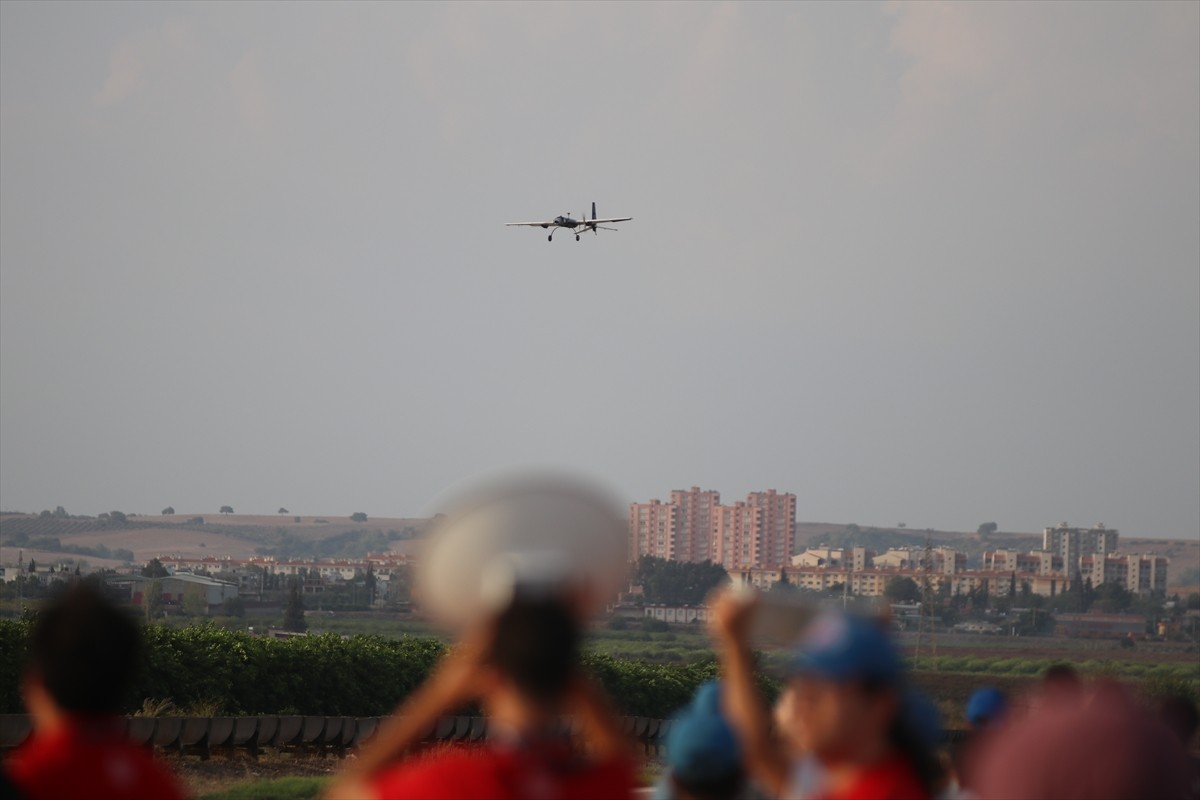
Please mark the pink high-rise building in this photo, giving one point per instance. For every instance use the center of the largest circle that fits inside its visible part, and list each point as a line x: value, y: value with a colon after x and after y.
x: 695, y: 523
x: 736, y: 540
x: 694, y: 526
x: 776, y: 526
x: 680, y: 530
x: 652, y: 530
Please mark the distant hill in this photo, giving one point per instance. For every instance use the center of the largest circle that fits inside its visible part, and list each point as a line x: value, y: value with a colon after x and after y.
x: 139, y: 538
x: 812, y: 534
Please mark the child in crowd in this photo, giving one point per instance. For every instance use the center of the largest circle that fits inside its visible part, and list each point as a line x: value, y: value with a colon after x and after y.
x: 851, y: 728
x: 523, y: 667
x: 82, y: 653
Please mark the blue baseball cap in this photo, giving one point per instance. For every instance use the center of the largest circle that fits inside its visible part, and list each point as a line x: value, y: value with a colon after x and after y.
x: 922, y: 718
x: 842, y: 647
x: 986, y: 705
x: 700, y: 745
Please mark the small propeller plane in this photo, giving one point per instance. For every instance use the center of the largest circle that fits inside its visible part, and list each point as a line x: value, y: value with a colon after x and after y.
x: 575, y: 225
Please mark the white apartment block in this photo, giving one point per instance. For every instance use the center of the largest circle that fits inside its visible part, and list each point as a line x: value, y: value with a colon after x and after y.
x: 1072, y: 544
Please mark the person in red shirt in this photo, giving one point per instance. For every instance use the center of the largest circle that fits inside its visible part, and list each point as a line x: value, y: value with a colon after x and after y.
x: 82, y: 653
x: 851, y: 729
x: 523, y: 667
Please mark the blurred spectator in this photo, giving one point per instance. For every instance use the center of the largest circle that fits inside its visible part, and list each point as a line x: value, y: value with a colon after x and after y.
x: 848, y: 707
x: 1060, y: 684
x: 704, y: 760
x: 1108, y: 748
x: 1181, y: 717
x: 82, y: 654
x: 986, y: 708
x: 523, y: 667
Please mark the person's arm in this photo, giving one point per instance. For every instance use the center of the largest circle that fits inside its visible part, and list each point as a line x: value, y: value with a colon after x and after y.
x: 455, y: 681
x: 600, y: 725
x: 765, y: 757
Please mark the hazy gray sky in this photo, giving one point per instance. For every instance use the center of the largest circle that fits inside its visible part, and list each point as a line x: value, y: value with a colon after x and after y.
x: 937, y: 264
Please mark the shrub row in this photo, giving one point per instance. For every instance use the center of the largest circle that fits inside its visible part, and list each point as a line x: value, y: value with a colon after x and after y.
x: 1181, y: 671
x: 233, y: 673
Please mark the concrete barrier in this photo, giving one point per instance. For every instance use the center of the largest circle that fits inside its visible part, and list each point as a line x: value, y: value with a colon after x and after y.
x: 366, y: 728
x: 245, y: 730
x: 288, y: 732
x: 312, y: 730
x: 333, y: 734
x: 478, y: 731
x: 14, y: 729
x: 445, y: 729
x: 265, y: 737
x: 194, y: 733
x: 166, y: 732
x: 220, y: 733
x: 141, y: 729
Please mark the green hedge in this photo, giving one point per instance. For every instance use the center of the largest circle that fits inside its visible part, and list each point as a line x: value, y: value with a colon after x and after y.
x: 229, y: 672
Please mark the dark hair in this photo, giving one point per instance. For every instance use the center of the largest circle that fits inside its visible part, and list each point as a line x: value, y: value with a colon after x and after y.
x: 1180, y: 715
x: 920, y: 755
x: 536, y: 646
x: 907, y: 739
x: 1062, y: 676
x: 84, y: 648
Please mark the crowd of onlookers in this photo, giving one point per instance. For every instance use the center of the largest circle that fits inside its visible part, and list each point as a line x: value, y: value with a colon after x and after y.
x: 846, y: 726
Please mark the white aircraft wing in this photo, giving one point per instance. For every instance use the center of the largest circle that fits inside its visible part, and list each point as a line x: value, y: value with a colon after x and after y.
x: 535, y: 224
x: 615, y: 219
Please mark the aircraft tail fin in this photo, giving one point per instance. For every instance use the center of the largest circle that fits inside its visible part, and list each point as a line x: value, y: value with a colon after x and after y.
x: 593, y: 209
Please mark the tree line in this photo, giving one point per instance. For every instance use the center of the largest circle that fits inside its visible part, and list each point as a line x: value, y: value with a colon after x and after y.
x: 233, y: 673
x: 677, y: 583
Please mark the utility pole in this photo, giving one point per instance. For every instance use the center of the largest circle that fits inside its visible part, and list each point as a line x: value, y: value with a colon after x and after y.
x: 925, y: 620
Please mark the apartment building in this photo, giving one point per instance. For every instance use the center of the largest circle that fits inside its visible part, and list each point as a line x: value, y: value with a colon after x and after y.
x: 1037, y: 562
x: 695, y: 526
x: 1139, y: 574
x: 776, y: 525
x: 737, y: 540
x: 652, y: 529
x: 1071, y: 544
x: 695, y: 523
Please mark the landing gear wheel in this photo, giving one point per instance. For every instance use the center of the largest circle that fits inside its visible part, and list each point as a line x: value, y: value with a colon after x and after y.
x: 577, y: 237
x: 550, y: 238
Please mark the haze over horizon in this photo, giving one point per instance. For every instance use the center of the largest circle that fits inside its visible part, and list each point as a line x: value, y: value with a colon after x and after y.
x: 926, y: 263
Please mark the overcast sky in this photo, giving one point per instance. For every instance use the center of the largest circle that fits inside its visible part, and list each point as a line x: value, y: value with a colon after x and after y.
x: 932, y: 264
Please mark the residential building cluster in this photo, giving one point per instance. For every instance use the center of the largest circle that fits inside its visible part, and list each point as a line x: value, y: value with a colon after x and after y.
x: 695, y: 526
x: 250, y: 576
x: 754, y: 540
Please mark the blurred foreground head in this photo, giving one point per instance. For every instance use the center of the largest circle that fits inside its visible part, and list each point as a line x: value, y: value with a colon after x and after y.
x: 1107, y: 748
x: 841, y: 647
x: 535, y: 645
x: 521, y: 539
x: 850, y: 701
x: 986, y: 707
x: 83, y: 650
x: 703, y: 753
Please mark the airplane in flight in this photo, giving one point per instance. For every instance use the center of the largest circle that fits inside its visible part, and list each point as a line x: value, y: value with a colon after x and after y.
x: 575, y: 225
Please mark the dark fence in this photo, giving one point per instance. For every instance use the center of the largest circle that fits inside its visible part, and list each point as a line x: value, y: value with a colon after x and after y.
x: 334, y: 735
x: 201, y: 735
